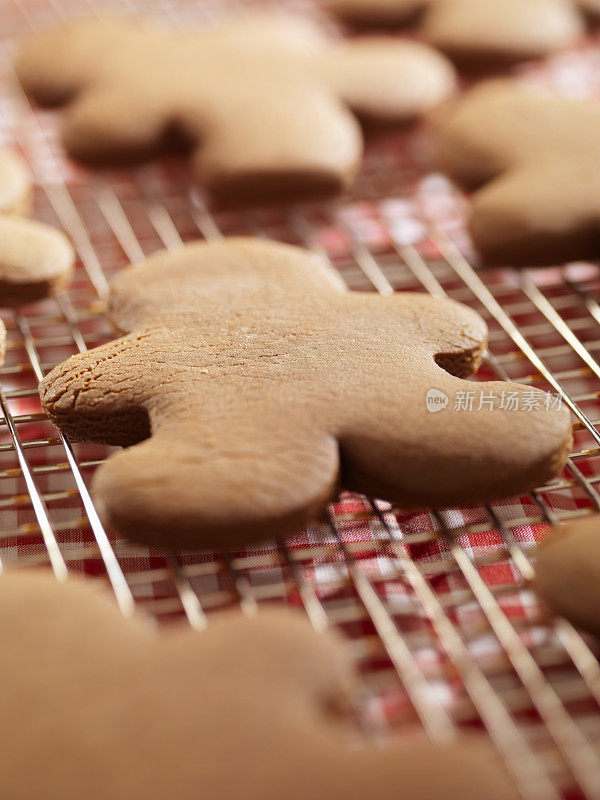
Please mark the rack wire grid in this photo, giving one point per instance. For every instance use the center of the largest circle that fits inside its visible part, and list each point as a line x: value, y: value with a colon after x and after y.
x: 440, y: 619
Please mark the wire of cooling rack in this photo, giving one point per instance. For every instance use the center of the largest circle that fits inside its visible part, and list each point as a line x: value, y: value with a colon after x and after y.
x: 442, y: 626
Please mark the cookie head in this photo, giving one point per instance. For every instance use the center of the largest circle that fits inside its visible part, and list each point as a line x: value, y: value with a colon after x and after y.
x: 264, y: 384
x: 267, y: 105
x: 532, y: 158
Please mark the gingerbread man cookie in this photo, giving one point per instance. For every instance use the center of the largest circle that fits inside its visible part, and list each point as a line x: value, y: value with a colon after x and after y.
x: 568, y: 572
x: 265, y: 102
x: 535, y: 157
x: 36, y: 260
x: 264, y: 383
x: 111, y: 709
x: 478, y: 31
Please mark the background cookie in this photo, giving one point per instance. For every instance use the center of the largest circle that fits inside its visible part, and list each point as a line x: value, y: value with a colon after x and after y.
x: 15, y: 184
x: 2, y: 342
x: 376, y: 13
x: 477, y: 30
x: 242, y: 710
x: 535, y: 156
x: 568, y: 572
x: 590, y: 6
x: 263, y: 101
x: 36, y: 260
x: 258, y: 373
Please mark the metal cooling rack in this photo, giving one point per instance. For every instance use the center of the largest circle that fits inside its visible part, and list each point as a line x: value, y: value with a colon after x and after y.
x: 441, y: 622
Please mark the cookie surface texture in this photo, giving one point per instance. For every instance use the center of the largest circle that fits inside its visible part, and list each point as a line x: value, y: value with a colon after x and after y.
x: 266, y: 103
x: 36, y: 260
x: 115, y: 709
x: 532, y: 158
x: 265, y: 383
x: 477, y: 31
x: 568, y: 572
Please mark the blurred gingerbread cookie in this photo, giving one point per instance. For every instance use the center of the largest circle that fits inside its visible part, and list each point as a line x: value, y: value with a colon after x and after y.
x: 2, y: 342
x: 532, y: 158
x: 479, y: 31
x: 36, y: 260
x: 568, y: 572
x: 245, y: 709
x: 267, y: 104
x: 15, y: 184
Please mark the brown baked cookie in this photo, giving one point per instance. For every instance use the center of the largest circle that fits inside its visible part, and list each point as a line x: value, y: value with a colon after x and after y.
x: 377, y: 13
x: 591, y: 7
x: 2, y: 342
x: 36, y: 260
x: 264, y: 383
x: 568, y: 572
x: 265, y: 102
x: 533, y: 158
x: 478, y: 31
x: 15, y: 184
x: 111, y: 709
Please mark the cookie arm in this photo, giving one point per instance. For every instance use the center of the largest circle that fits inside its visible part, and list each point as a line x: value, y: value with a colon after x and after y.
x: 388, y: 80
x: 53, y: 66
x: 99, y: 396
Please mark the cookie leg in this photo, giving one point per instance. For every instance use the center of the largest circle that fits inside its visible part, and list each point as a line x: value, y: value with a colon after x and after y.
x: 453, y: 443
x: 301, y: 142
x: 217, y: 490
